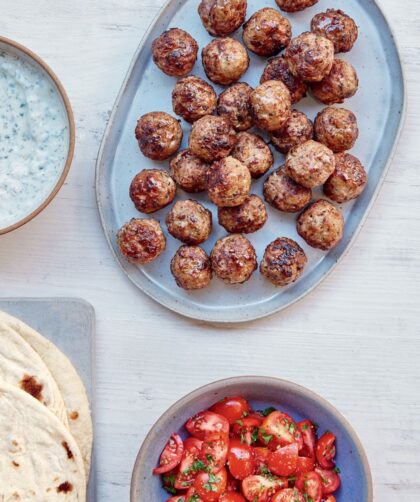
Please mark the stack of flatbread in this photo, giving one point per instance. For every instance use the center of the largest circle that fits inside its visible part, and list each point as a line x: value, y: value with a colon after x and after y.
x: 45, y: 421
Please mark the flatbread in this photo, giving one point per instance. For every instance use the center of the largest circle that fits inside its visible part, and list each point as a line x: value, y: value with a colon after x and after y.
x: 39, y: 458
x: 69, y: 382
x: 21, y: 366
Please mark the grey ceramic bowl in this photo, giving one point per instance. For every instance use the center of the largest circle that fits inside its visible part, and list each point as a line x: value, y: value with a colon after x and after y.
x: 261, y: 392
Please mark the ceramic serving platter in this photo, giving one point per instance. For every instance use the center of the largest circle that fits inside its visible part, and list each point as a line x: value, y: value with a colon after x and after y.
x: 70, y: 324
x: 379, y: 106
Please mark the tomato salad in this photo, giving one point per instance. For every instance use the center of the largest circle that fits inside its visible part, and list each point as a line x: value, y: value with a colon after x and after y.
x: 235, y: 454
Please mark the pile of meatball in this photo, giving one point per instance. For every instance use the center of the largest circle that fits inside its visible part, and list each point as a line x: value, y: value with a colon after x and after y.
x: 223, y: 158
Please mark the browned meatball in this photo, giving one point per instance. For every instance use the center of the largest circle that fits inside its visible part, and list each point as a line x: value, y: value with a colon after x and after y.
x: 310, y: 164
x: 233, y: 259
x: 175, y: 52
x: 225, y: 60
x: 228, y: 182
x: 233, y: 104
x: 270, y: 105
x: 297, y: 130
x: 321, y: 225
x: 285, y: 194
x: 192, y: 98
x: 347, y: 181
x: 222, y: 17
x: 267, y: 32
x: 151, y: 190
x: 310, y: 57
x: 159, y: 135
x: 189, y: 171
x: 336, y: 128
x: 340, y: 84
x: 337, y: 27
x: 249, y: 217
x: 295, y: 5
x: 212, y: 138
x: 141, y: 241
x: 278, y: 69
x: 254, y: 153
x: 189, y: 221
x: 191, y: 268
x: 283, y: 261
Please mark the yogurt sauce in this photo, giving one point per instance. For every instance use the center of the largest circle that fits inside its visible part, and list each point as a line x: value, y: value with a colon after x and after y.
x: 34, y: 137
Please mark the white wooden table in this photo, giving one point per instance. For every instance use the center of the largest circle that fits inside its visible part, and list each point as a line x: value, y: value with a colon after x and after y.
x: 355, y: 340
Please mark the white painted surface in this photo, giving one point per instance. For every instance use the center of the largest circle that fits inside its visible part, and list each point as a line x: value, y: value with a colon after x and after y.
x: 355, y: 340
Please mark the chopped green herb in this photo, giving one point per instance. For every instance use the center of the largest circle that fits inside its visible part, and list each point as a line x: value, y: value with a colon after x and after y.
x: 267, y: 411
x: 266, y: 437
x: 305, y: 427
x: 337, y: 470
x: 211, y: 482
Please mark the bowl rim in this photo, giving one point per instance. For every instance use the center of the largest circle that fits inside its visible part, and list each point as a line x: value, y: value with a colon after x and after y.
x: 72, y: 133
x: 248, y: 379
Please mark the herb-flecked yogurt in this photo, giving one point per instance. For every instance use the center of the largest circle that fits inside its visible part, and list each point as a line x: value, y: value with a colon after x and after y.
x: 34, y: 137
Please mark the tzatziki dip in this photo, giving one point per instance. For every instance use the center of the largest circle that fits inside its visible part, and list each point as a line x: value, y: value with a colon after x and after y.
x: 34, y: 137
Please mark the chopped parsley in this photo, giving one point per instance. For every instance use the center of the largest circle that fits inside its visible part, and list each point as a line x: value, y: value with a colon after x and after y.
x: 211, y: 482
x: 267, y: 411
x: 169, y: 483
x: 266, y: 437
x: 337, y: 470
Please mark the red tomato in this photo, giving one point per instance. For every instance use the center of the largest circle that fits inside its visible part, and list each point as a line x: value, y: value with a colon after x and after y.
x: 171, y: 455
x: 310, y: 484
x: 185, y: 476
x: 325, y: 451
x: 330, y: 498
x: 283, y: 461
x: 240, y: 459
x: 247, y: 428
x: 307, y: 429
x: 192, y: 496
x: 261, y: 456
x: 330, y: 480
x: 177, y: 498
x: 214, y: 452
x: 279, y: 429
x: 205, y: 423
x: 261, y: 489
x: 231, y: 497
x: 232, y: 408
x: 305, y: 464
x: 209, y: 486
x: 232, y: 483
x: 288, y: 495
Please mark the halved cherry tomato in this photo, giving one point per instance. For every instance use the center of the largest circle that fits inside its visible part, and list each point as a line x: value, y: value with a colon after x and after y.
x: 214, y: 452
x: 330, y: 480
x: 330, y: 498
x: 240, y: 459
x: 305, y: 464
x: 288, y: 495
x: 177, y: 498
x: 307, y: 430
x: 261, y: 456
x: 192, y: 496
x: 231, y: 497
x: 283, y: 461
x: 279, y: 429
x: 186, y: 474
x: 310, y: 484
x: 171, y: 455
x: 325, y: 450
x: 247, y: 428
x: 209, y: 486
x: 232, y: 408
x: 261, y: 489
x: 205, y: 423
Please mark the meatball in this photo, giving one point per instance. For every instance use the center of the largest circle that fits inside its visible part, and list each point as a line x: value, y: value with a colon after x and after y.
x: 337, y: 27
x: 253, y: 151
x: 295, y: 5
x: 222, y: 17
x: 175, y: 52
x: 191, y: 268
x: 297, y: 130
x: 192, y: 98
x: 278, y: 69
x: 336, y: 128
x: 340, y: 84
x: 283, y: 261
x: 321, y: 225
x: 151, y: 190
x: 225, y: 60
x: 267, y: 32
x: 310, y: 57
x: 233, y: 104
x: 270, y: 105
x: 249, y: 217
x: 212, y: 138
x: 189, y: 221
x: 159, y: 135
x: 285, y: 194
x: 310, y: 164
x: 228, y: 182
x: 189, y: 171
x: 347, y: 181
x: 233, y: 259
x: 141, y: 241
